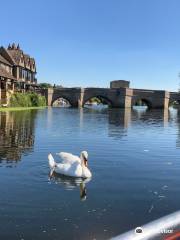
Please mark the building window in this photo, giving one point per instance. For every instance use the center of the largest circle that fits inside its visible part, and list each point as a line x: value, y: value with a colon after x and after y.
x: 20, y: 73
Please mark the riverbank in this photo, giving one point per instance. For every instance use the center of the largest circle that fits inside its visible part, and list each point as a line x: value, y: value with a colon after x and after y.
x: 5, y: 109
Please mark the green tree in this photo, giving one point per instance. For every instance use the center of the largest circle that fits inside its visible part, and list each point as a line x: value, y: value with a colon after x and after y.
x: 45, y: 85
x: 27, y: 100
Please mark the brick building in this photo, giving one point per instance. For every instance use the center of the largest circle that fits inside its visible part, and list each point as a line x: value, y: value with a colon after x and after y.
x: 17, y: 72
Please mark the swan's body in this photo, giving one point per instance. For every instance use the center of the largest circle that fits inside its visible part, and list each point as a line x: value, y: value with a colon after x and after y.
x: 68, y: 157
x: 71, y: 165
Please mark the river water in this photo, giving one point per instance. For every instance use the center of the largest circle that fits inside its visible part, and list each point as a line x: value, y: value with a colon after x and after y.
x: 134, y: 156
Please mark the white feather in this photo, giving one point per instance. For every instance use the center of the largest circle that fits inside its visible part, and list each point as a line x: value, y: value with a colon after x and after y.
x: 52, y: 162
x: 68, y: 157
x: 72, y: 170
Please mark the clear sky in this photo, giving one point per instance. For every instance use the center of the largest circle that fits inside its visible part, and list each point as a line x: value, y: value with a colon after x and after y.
x: 91, y: 42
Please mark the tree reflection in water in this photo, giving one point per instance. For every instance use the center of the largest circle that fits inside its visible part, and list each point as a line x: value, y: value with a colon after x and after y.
x: 16, y: 134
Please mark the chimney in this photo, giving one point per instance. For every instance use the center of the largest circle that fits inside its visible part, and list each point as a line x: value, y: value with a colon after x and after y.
x: 9, y: 46
x: 13, y: 46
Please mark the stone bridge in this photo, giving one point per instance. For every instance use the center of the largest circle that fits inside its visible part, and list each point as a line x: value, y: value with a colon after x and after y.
x: 117, y: 96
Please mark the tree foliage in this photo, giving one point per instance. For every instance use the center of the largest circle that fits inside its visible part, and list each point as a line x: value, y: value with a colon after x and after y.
x: 27, y: 100
x: 45, y: 85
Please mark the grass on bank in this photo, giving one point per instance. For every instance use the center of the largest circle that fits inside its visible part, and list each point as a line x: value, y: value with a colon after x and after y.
x: 5, y: 109
x: 25, y: 101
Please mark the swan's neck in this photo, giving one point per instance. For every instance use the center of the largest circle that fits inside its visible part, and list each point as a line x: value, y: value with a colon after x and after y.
x: 83, y: 161
x: 83, y: 164
x: 85, y: 169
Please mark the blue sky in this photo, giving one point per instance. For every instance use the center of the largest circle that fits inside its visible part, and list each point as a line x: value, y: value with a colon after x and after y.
x: 91, y: 42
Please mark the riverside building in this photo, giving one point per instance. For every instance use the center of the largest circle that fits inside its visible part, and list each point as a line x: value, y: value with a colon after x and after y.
x: 17, y: 72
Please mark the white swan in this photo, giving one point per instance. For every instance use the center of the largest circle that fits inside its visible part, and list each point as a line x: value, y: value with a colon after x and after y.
x: 71, y: 165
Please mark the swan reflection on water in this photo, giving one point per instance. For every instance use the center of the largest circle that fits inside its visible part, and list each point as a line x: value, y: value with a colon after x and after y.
x: 70, y: 183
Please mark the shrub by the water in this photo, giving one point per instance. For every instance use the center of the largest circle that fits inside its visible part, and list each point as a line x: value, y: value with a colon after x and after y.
x: 27, y: 100
x: 37, y: 100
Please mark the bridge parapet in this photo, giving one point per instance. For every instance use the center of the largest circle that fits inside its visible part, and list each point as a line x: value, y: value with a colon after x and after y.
x: 115, y: 97
x: 153, y: 98
x: 72, y: 95
x: 160, y: 99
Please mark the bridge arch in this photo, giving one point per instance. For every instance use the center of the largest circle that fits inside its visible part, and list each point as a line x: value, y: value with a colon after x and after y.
x: 65, y: 98
x: 173, y: 102
x: 102, y: 99
x: 142, y: 102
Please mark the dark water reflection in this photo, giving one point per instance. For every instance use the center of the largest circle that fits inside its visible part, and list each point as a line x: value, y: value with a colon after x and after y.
x: 16, y: 134
x: 70, y: 183
x: 133, y: 155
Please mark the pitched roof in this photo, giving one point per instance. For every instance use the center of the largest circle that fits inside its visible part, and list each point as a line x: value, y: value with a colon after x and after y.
x: 5, y: 74
x: 15, y: 54
x: 32, y: 61
x: 6, y: 55
x: 26, y: 58
x: 3, y: 60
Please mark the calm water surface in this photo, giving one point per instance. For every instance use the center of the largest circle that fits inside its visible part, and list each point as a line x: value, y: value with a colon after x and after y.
x: 134, y: 157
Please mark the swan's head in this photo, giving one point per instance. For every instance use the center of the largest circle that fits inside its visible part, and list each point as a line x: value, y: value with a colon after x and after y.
x: 84, y: 157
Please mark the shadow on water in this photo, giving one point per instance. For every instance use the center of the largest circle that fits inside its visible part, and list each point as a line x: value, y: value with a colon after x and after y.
x: 119, y: 120
x: 16, y: 135
x: 70, y: 183
x: 146, y: 115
